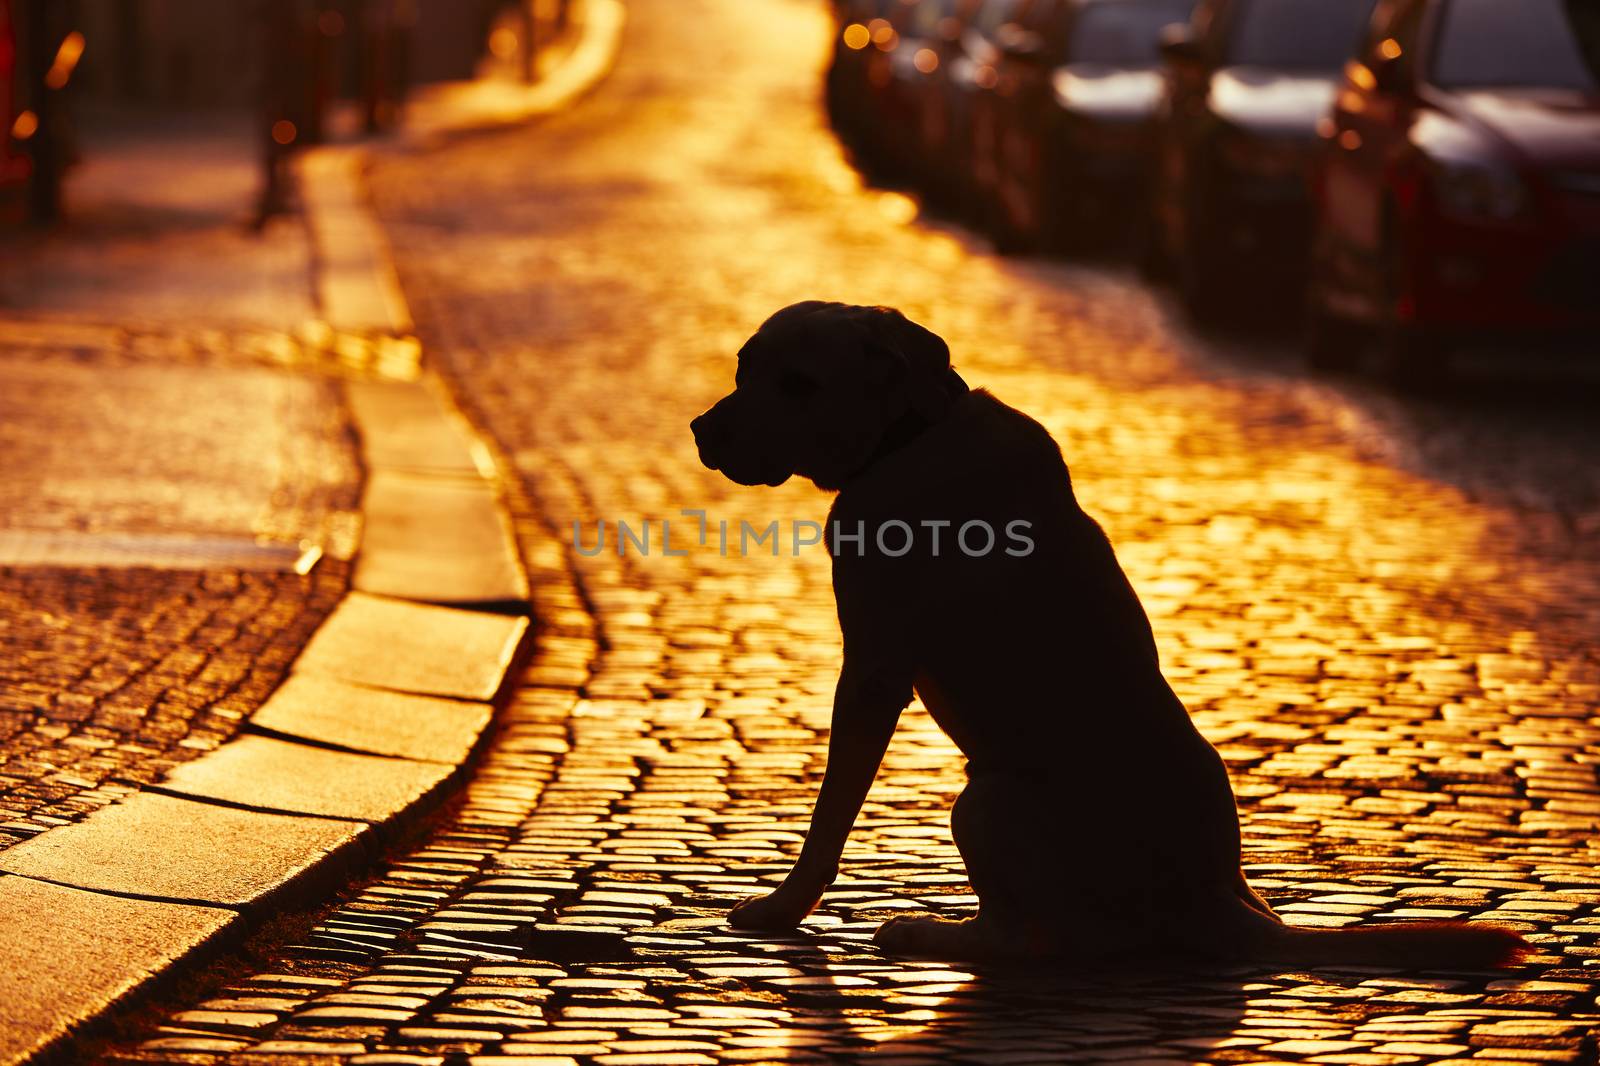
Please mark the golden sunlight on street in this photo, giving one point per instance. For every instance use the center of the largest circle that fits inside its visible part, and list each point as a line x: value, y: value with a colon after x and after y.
x: 1381, y: 610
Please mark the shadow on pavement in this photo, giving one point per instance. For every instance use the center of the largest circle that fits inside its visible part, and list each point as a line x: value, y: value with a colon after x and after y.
x: 1037, y: 1016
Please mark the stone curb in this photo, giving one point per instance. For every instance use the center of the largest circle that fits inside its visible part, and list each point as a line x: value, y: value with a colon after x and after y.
x: 471, y: 107
x: 357, y: 288
x: 384, y: 708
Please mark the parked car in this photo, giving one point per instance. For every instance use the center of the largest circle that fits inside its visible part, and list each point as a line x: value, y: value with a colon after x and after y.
x: 863, y: 30
x: 1077, y: 86
x: 1247, y: 82
x: 1459, y: 183
x: 973, y: 78
x: 939, y: 116
x: 898, y: 78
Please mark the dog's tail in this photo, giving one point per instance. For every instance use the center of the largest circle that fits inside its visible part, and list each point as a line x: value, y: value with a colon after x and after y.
x: 1443, y: 945
x: 1260, y: 936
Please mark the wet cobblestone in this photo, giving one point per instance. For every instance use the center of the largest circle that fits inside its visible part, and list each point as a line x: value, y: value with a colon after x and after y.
x: 1399, y: 670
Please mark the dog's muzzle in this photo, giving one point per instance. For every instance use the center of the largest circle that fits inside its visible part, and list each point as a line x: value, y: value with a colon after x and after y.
x: 721, y: 450
x: 711, y: 438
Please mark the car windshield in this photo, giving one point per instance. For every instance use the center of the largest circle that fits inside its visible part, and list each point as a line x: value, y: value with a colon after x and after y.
x: 1296, y: 34
x: 1124, y: 33
x: 1546, y: 44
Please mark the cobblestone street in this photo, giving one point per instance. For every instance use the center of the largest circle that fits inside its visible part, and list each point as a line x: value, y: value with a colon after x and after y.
x: 1382, y: 611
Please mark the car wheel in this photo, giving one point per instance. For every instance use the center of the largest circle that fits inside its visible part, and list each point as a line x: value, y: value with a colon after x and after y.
x: 1004, y: 234
x: 1413, y: 359
x: 1060, y: 229
x: 1333, y: 344
x: 1014, y: 225
x: 1150, y: 254
x: 1203, y: 280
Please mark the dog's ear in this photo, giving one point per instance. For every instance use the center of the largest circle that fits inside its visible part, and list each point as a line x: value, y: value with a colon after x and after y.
x: 917, y: 358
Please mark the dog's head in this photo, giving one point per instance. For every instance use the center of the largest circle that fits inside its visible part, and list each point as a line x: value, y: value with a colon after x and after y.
x: 818, y: 389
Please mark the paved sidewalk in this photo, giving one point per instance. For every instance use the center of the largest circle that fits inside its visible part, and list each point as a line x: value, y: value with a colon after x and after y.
x: 182, y: 528
x: 1398, y: 667
x: 156, y: 231
x: 164, y: 477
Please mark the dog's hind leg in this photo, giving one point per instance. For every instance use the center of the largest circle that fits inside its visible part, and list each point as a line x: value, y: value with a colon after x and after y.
x: 976, y: 939
x: 1022, y: 876
x: 1252, y: 898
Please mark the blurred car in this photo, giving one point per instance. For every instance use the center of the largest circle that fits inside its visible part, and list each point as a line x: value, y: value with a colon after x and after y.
x: 863, y: 30
x: 973, y: 77
x: 1077, y: 85
x: 939, y: 114
x: 1459, y: 186
x: 904, y: 59
x: 1247, y: 82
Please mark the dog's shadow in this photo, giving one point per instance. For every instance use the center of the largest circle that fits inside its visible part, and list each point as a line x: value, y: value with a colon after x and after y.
x: 925, y: 1011
x: 858, y: 1005
x: 1038, y: 1016
x: 1157, y: 1012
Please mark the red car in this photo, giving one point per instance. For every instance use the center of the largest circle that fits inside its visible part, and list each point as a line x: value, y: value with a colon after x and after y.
x: 1458, y: 183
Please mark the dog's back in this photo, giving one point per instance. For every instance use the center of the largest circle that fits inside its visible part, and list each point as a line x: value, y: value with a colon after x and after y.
x: 1024, y: 629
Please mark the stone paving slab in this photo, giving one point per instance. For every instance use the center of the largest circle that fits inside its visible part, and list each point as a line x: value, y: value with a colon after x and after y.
x: 67, y: 955
x: 165, y: 847
x: 417, y: 648
x: 404, y: 427
x: 95, y: 446
x: 436, y: 541
x: 158, y: 551
x: 374, y: 720
x: 281, y: 775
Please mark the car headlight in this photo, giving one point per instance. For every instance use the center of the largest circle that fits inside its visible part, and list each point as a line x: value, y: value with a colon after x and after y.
x: 1480, y: 191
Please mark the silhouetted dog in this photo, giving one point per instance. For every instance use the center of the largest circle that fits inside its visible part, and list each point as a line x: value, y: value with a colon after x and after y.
x: 1097, y: 820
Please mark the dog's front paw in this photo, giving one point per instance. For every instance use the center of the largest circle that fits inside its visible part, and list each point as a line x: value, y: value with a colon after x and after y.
x: 783, y: 909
